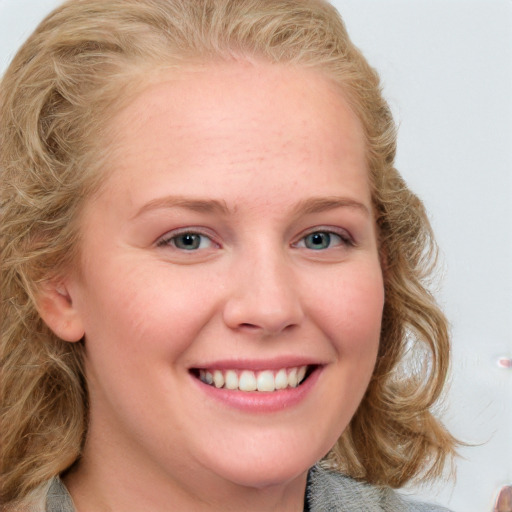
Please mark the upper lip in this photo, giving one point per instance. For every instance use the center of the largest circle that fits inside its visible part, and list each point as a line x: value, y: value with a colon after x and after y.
x: 257, y: 364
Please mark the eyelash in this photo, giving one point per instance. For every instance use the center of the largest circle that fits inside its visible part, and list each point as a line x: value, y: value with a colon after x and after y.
x: 344, y: 239
x: 170, y: 239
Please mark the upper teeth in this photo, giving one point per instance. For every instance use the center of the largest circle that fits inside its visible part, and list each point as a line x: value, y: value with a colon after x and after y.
x: 247, y: 380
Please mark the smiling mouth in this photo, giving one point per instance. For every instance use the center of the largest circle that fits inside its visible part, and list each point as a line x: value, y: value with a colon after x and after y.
x: 266, y: 381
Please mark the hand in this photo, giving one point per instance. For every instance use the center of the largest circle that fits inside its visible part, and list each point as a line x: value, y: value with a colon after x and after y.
x: 504, y: 500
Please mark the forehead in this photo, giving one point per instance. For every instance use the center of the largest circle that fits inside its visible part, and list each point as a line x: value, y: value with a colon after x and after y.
x: 237, y: 118
x: 243, y: 92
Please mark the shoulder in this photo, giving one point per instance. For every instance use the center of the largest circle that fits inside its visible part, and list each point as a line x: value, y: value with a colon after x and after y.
x: 58, y: 498
x: 330, y: 491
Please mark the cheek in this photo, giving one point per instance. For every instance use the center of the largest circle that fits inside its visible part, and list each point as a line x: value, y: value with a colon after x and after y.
x: 353, y: 311
x: 142, y: 309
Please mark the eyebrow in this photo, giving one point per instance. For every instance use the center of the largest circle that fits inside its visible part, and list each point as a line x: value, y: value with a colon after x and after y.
x: 307, y: 206
x: 322, y: 204
x: 198, y: 205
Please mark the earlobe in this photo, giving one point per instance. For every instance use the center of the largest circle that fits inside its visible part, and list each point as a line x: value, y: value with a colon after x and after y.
x: 58, y: 312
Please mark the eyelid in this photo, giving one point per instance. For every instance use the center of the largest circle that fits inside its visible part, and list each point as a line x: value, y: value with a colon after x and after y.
x: 165, y: 240
x: 342, y: 233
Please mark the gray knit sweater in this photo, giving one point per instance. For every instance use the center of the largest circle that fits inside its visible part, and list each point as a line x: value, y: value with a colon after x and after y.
x: 327, y: 492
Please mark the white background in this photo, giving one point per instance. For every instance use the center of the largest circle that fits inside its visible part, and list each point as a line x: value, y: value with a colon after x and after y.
x: 447, y: 73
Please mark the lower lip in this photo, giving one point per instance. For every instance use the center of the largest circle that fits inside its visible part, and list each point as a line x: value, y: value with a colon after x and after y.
x: 260, y: 401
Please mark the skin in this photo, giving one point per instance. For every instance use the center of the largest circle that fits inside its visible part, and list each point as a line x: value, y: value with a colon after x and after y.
x: 264, y: 142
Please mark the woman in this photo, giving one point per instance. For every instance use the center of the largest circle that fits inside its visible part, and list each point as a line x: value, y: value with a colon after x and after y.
x: 212, y: 271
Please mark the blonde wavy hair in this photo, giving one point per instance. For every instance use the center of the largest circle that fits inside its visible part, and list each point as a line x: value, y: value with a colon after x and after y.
x: 73, y: 73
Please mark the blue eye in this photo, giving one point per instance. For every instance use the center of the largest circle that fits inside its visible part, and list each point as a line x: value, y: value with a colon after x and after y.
x: 188, y: 241
x: 320, y: 240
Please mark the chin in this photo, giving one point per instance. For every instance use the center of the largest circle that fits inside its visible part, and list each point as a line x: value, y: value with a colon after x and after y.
x: 260, y: 471
x: 266, y: 476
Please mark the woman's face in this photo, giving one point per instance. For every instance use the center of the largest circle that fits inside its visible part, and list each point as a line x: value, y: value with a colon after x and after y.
x: 233, y: 241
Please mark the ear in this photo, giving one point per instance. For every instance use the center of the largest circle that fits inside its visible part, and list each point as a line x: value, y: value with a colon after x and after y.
x: 58, y: 312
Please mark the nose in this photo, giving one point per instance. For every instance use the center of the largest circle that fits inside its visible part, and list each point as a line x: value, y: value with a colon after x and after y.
x: 263, y: 296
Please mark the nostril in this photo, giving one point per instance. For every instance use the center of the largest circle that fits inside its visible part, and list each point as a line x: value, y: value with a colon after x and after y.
x: 248, y: 326
x: 263, y: 309
x: 266, y: 329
